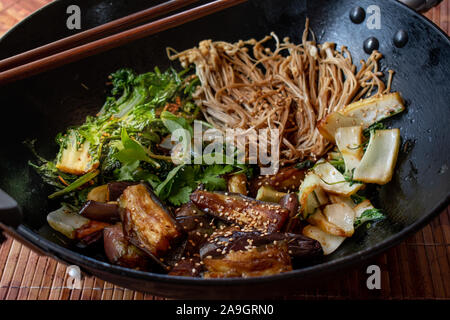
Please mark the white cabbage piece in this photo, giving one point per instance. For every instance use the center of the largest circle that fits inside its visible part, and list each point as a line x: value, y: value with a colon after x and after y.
x: 66, y: 221
x: 349, y: 142
x: 332, y: 181
x: 328, y: 241
x: 378, y: 163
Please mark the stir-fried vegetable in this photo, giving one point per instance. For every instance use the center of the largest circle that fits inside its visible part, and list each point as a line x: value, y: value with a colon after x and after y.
x: 74, y: 157
x: 378, y: 162
x: 329, y: 125
x: 120, y: 251
x: 349, y: 142
x: 356, y: 161
x: 66, y: 221
x: 76, y: 184
x: 311, y: 195
x: 331, y: 180
x: 121, y: 143
x: 237, y: 183
x: 238, y: 209
x: 147, y: 223
x: 74, y: 226
x: 342, y: 216
x: 361, y: 113
x: 328, y: 241
x: 372, y: 110
x: 266, y: 193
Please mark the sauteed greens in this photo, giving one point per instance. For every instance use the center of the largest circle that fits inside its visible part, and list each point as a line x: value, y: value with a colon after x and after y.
x: 121, y: 142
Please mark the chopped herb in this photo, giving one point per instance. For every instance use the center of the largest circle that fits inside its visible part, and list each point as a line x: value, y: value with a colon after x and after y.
x: 369, y: 215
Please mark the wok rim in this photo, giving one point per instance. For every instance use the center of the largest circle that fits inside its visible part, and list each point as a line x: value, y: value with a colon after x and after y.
x: 68, y: 256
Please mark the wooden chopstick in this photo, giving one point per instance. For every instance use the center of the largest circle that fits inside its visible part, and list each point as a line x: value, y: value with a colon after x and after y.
x: 101, y: 45
x: 94, y: 33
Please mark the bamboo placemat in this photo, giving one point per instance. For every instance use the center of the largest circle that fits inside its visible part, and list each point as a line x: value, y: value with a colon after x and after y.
x: 418, y: 268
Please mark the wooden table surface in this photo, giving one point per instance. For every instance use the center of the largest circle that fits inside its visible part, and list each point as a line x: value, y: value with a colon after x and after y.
x: 418, y: 268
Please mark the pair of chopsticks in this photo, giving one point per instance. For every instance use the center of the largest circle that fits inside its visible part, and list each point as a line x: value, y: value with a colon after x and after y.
x: 105, y: 37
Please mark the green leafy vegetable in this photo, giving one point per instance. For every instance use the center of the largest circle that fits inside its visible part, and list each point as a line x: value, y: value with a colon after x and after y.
x: 172, y: 122
x: 211, y: 176
x: 163, y: 190
x: 369, y: 215
x: 372, y: 128
x: 127, y: 171
x: 181, y: 196
x: 132, y: 151
x: 122, y: 140
x: 183, y: 179
x: 47, y: 169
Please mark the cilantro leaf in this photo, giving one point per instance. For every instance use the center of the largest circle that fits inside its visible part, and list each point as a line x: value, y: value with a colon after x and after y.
x: 172, y: 122
x: 163, y: 190
x: 211, y: 177
x: 132, y: 151
x: 188, y: 176
x: 126, y: 172
x: 181, y: 196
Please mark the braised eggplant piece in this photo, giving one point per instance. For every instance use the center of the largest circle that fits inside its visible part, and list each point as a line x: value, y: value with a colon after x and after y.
x: 146, y: 222
x: 242, y: 210
x: 261, y: 261
x: 290, y: 202
x: 119, y: 251
x: 100, y: 211
x: 188, y: 209
x: 286, y: 180
x: 303, y: 248
x: 191, y: 223
x: 231, y: 239
x: 196, y: 224
x: 187, y: 267
x: 198, y: 230
x: 115, y: 189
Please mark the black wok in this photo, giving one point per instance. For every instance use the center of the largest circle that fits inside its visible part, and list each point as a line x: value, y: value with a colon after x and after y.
x: 44, y: 105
